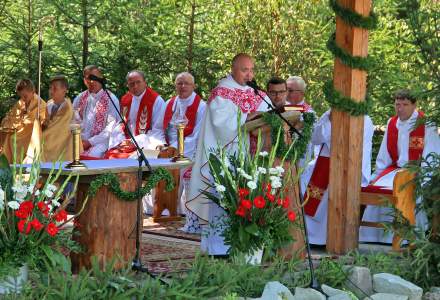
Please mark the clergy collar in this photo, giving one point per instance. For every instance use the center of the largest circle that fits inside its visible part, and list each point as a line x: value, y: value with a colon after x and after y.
x: 230, y: 81
x: 96, y: 94
x: 140, y: 96
x: 411, y: 119
x: 187, y: 99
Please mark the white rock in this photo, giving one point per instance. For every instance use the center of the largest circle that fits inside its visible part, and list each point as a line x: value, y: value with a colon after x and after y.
x: 340, y: 297
x: 387, y: 296
x: 389, y: 283
x: 359, y: 281
x: 276, y: 291
x: 329, y: 291
x: 308, y: 294
x: 432, y: 296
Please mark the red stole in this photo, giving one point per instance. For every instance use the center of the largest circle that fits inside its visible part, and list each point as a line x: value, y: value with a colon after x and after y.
x: 144, y: 121
x: 317, y: 186
x: 415, y: 146
x: 145, y: 112
x: 191, y: 115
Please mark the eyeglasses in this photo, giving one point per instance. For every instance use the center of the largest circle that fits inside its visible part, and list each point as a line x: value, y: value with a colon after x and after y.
x: 291, y: 91
x: 275, y: 93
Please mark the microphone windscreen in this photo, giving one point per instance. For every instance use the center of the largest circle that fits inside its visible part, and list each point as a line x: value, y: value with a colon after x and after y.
x: 253, y: 84
x: 96, y: 78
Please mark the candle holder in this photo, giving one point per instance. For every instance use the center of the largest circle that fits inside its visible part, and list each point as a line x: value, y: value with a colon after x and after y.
x: 179, y: 121
x: 76, y: 133
x: 181, y: 144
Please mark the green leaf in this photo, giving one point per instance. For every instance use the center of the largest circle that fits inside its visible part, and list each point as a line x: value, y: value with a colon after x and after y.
x: 252, y: 229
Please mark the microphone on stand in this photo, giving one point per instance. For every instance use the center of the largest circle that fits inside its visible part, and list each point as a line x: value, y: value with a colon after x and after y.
x: 253, y: 84
x: 101, y: 80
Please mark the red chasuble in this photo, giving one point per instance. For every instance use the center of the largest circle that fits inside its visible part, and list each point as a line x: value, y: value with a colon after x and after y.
x: 191, y: 115
x: 415, y: 149
x: 144, y: 121
x: 317, y: 186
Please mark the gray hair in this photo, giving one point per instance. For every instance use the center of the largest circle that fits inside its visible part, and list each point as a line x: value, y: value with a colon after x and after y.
x: 299, y: 80
x: 137, y: 72
x: 185, y: 74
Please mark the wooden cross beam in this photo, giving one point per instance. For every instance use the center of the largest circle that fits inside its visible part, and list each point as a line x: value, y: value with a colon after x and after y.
x: 346, y: 142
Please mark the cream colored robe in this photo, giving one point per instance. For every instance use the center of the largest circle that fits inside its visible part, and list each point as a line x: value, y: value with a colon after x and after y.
x: 57, y: 137
x: 20, y: 120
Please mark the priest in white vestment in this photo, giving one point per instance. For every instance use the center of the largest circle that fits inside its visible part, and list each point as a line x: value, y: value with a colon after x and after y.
x: 220, y: 128
x: 96, y: 114
x: 190, y: 106
x: 314, y: 180
x: 143, y: 109
x: 402, y: 142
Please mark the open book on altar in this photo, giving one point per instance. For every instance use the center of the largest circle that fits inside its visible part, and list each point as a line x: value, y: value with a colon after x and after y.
x: 256, y: 121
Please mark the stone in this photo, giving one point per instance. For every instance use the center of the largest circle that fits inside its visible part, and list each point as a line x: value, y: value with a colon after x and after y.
x: 340, y: 297
x: 435, y: 289
x: 359, y: 281
x: 274, y: 290
x: 432, y: 296
x: 389, y: 283
x: 308, y: 294
x: 330, y: 292
x: 387, y: 296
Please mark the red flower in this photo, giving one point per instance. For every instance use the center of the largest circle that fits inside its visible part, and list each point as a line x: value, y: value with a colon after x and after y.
x: 61, y: 216
x: 240, y: 211
x: 43, y: 208
x: 52, y: 229
x: 291, y: 216
x: 246, y: 204
x: 25, y: 209
x: 259, y: 202
x: 21, y: 226
x: 279, y: 201
x: 243, y: 193
x: 36, y: 225
x: 268, y: 188
x: 22, y: 214
x: 286, y: 202
x: 270, y: 197
x: 27, y: 206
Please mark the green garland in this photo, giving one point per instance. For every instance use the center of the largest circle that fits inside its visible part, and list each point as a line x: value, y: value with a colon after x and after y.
x: 112, y: 181
x: 354, y: 62
x: 299, y: 147
x: 353, y: 18
x: 342, y: 103
x: 334, y: 97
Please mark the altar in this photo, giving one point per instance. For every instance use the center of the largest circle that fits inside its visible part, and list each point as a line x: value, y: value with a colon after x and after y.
x: 106, y: 227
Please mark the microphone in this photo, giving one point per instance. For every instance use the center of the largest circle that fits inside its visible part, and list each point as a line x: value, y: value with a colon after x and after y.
x: 101, y: 80
x: 253, y: 84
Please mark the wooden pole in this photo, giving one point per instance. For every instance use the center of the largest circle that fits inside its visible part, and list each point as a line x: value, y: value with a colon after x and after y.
x: 347, y: 133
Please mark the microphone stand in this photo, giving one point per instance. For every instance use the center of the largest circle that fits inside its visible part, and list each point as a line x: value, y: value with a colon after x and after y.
x: 314, y: 284
x: 292, y: 129
x: 136, y: 263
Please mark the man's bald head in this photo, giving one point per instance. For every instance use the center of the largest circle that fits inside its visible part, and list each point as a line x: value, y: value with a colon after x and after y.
x: 242, y: 68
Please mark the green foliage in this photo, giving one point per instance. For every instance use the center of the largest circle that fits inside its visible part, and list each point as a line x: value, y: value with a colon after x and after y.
x: 206, y: 278
x: 112, y: 181
x: 31, y: 217
x: 299, y: 147
x: 331, y: 273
